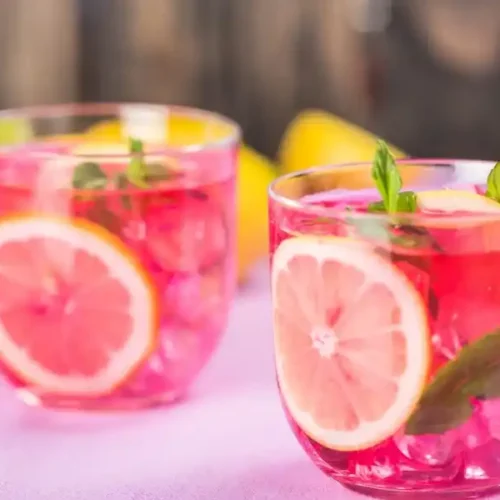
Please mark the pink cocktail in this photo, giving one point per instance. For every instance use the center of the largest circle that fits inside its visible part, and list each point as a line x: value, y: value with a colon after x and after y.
x: 387, y: 325
x: 116, y: 252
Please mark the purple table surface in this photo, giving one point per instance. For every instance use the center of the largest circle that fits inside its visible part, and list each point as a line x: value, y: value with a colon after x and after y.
x: 228, y: 441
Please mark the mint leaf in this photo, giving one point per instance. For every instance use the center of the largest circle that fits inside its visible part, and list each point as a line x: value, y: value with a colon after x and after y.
x: 439, y: 417
x: 136, y: 146
x: 407, y: 202
x: 157, y: 172
x: 136, y: 171
x: 474, y: 373
x: 122, y: 183
x: 493, y: 183
x: 386, y: 232
x: 386, y: 177
x: 389, y: 183
x: 372, y: 229
x: 377, y: 207
x: 89, y: 176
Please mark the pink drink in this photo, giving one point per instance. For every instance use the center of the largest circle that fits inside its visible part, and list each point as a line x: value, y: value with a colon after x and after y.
x: 179, y: 231
x: 456, y: 274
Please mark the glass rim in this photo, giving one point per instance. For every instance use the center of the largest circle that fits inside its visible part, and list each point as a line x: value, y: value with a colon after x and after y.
x: 451, y: 220
x: 90, y: 109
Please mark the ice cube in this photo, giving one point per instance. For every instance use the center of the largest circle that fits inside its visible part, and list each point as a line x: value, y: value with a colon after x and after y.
x: 476, y: 431
x: 379, y: 462
x: 430, y: 450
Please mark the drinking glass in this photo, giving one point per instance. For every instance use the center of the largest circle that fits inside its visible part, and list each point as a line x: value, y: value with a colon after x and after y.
x: 117, y: 239
x: 386, y: 327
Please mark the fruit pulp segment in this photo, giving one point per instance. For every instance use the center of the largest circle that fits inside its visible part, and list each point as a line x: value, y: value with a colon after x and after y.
x: 180, y: 236
x: 456, y: 273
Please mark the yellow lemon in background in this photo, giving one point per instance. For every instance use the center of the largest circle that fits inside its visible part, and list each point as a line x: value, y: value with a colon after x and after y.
x: 105, y: 131
x: 15, y: 130
x: 255, y: 173
x: 179, y: 130
x: 65, y: 138
x: 316, y: 138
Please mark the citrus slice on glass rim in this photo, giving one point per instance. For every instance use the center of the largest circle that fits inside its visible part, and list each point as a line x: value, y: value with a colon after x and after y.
x: 78, y: 315
x: 455, y: 202
x: 351, y: 340
x: 461, y: 221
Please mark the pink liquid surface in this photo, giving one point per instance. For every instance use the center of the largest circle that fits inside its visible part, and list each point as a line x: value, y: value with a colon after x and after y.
x: 183, y: 233
x: 460, y: 286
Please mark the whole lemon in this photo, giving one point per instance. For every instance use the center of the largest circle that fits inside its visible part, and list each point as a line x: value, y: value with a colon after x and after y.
x: 180, y: 130
x: 317, y: 138
x: 255, y: 172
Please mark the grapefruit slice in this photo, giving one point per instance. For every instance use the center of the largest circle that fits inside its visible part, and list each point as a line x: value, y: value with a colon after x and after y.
x: 78, y: 314
x: 461, y: 221
x: 450, y: 201
x: 351, y: 339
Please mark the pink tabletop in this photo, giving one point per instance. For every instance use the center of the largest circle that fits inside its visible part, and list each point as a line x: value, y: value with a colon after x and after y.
x: 228, y: 441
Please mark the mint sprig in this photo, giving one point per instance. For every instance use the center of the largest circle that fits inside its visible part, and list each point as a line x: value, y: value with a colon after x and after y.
x: 386, y: 177
x: 493, y: 183
x: 388, y: 181
x: 91, y: 177
x: 391, y: 230
x: 447, y: 401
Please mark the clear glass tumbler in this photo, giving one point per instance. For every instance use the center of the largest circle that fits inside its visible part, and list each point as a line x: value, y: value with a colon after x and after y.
x: 387, y: 327
x: 117, y: 236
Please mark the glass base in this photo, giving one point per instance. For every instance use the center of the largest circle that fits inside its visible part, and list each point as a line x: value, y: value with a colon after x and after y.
x: 111, y: 403
x: 461, y: 492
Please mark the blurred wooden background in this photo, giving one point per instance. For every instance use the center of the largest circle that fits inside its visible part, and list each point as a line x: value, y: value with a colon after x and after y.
x: 423, y: 73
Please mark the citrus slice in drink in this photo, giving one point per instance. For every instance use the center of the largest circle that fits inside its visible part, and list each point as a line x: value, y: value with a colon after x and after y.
x: 78, y: 315
x: 456, y: 202
x: 461, y: 221
x: 351, y: 340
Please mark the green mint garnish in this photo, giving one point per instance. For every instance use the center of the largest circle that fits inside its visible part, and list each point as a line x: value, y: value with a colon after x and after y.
x: 136, y: 172
x: 90, y: 176
x: 493, y: 183
x: 391, y: 229
x: 142, y: 174
x: 386, y: 177
x: 447, y: 401
x: 406, y: 203
x: 156, y: 172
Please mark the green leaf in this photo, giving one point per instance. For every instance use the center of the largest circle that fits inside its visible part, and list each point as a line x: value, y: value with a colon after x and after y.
x: 493, y: 183
x: 136, y: 173
x: 474, y: 373
x: 440, y: 417
x: 385, y: 231
x: 136, y: 146
x: 386, y: 177
x: 373, y: 229
x: 157, y: 172
x: 122, y: 183
x: 89, y: 175
x: 407, y: 202
x: 376, y: 207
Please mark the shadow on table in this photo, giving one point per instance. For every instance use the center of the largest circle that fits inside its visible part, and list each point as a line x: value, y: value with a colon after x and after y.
x: 28, y: 420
